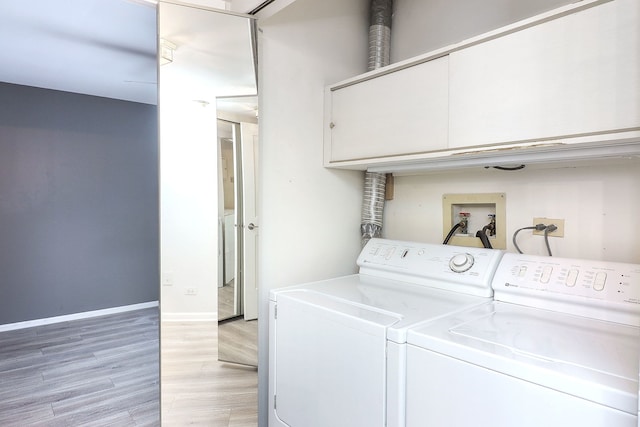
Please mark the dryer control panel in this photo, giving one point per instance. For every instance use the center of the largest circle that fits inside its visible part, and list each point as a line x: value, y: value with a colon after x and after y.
x: 598, y: 289
x: 456, y: 268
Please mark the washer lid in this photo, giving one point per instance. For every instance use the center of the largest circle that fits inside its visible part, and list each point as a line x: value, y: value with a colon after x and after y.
x: 587, y: 358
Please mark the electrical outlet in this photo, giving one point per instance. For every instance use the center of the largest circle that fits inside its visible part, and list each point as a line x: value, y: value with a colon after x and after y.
x: 548, y: 221
x: 191, y: 291
x: 167, y: 278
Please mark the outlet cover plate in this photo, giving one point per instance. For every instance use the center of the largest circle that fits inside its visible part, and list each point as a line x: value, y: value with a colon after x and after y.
x: 548, y: 221
x: 167, y: 278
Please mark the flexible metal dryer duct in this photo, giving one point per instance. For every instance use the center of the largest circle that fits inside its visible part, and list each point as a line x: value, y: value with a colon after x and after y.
x: 379, y: 56
x: 380, y: 33
x: 372, y: 206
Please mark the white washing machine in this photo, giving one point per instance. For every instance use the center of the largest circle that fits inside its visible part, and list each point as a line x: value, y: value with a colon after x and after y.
x: 559, y: 347
x: 337, y: 347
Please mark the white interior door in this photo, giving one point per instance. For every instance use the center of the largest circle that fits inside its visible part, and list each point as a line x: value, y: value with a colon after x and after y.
x: 249, y: 136
x: 220, y: 221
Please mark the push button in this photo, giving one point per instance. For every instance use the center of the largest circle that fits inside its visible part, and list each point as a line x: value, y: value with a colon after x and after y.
x: 522, y: 271
x: 572, y: 277
x: 599, y: 281
x: 389, y: 253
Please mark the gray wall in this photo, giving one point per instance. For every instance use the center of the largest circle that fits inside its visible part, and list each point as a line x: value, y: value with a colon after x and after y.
x: 78, y: 203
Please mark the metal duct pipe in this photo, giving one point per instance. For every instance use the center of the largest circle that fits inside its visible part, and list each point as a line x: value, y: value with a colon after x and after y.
x: 379, y: 56
x: 372, y: 206
x: 380, y: 33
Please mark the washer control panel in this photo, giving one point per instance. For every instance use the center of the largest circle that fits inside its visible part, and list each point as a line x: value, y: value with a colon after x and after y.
x: 463, y: 269
x: 545, y: 282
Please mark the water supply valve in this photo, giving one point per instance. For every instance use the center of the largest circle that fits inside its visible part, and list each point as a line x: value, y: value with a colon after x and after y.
x: 491, y: 227
x: 464, y: 222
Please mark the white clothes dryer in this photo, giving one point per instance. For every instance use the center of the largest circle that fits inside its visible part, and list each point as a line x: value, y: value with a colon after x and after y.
x: 558, y: 347
x: 337, y: 347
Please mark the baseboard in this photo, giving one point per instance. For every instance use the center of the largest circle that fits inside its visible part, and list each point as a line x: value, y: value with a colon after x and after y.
x: 76, y: 316
x: 208, y: 316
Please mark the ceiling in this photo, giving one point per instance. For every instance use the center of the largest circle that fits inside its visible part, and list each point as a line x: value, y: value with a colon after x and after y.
x: 213, y: 55
x: 97, y: 47
x: 107, y: 48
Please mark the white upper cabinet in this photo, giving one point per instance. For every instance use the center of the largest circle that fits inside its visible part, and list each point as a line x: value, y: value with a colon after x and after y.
x: 573, y: 76
x: 399, y: 113
x: 561, y: 86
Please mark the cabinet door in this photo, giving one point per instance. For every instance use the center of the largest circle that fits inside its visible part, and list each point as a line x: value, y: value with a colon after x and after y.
x: 575, y: 75
x: 403, y: 112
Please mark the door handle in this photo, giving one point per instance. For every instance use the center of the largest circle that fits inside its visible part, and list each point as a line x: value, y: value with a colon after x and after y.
x: 251, y: 226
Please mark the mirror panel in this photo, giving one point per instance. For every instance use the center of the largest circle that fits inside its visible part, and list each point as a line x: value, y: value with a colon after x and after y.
x: 207, y: 61
x: 237, y: 296
x: 205, y: 55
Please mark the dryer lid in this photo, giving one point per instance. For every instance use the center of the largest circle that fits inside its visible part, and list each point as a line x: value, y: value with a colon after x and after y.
x: 397, y: 305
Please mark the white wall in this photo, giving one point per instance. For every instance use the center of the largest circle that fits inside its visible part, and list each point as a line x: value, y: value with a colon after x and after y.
x: 420, y: 26
x: 189, y: 226
x: 188, y: 208
x: 309, y: 215
x: 596, y: 202
x: 309, y: 225
x: 599, y: 205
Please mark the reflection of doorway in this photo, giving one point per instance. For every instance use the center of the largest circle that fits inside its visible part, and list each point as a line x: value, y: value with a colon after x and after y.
x: 228, y: 303
x: 214, y: 57
x: 237, y: 284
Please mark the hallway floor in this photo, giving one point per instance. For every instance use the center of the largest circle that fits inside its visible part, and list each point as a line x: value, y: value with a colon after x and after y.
x: 199, y: 390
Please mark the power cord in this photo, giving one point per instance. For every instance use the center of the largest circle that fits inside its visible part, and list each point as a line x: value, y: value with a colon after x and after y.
x: 549, y: 229
x: 538, y: 227
x: 505, y: 168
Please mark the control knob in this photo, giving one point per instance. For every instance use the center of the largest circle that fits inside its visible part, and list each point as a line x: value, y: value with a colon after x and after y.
x: 461, y: 263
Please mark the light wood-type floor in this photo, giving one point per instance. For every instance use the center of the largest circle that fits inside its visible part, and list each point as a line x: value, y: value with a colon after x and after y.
x: 238, y: 341
x: 101, y: 371
x: 226, y: 298
x: 104, y: 371
x: 199, y: 390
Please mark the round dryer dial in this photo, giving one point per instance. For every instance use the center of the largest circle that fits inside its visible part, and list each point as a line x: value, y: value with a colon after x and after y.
x: 461, y: 263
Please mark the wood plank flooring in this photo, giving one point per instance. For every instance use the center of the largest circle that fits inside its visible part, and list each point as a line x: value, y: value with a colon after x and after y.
x: 226, y: 301
x: 101, y: 371
x: 238, y: 341
x: 199, y: 390
x: 104, y: 371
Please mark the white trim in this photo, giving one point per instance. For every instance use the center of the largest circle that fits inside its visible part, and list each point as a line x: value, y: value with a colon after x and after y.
x: 208, y: 316
x: 76, y: 316
x: 546, y: 153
